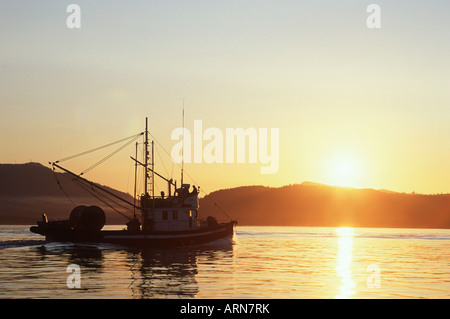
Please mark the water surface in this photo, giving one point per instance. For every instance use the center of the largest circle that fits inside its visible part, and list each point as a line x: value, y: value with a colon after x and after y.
x: 260, y: 262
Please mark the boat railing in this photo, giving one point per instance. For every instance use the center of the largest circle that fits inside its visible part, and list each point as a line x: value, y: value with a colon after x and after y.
x: 167, y: 201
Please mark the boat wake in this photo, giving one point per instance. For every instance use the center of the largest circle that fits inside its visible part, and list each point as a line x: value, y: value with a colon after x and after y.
x: 20, y: 243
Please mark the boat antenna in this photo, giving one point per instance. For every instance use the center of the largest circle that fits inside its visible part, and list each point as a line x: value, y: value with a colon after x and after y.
x: 182, y: 150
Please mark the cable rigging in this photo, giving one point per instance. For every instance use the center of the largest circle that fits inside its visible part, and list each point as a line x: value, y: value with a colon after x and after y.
x: 84, y: 183
x: 134, y: 137
x: 129, y: 140
x: 201, y: 190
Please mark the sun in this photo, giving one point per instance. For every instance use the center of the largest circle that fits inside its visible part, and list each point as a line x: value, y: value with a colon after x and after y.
x: 344, y: 170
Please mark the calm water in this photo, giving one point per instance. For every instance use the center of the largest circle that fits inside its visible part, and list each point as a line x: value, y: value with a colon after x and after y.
x: 261, y: 262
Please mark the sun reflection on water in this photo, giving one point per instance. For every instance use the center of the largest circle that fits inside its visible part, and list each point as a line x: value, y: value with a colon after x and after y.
x: 344, y: 262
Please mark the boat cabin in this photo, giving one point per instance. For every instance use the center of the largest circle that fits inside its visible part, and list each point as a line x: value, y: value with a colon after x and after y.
x: 172, y: 213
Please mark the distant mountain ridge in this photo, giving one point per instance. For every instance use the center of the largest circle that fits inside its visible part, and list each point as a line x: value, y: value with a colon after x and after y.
x: 313, y: 204
x: 28, y: 190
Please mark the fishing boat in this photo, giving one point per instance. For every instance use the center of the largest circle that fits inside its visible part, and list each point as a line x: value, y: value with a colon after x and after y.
x: 158, y: 221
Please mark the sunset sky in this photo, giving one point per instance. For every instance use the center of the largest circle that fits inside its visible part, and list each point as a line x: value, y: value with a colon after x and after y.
x: 354, y: 106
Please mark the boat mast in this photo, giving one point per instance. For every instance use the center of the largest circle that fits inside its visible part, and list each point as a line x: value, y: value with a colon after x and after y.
x: 135, y: 179
x: 146, y: 157
x: 153, y: 169
x: 146, y: 164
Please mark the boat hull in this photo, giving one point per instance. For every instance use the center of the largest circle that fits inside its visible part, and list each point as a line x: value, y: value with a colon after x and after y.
x: 141, y: 239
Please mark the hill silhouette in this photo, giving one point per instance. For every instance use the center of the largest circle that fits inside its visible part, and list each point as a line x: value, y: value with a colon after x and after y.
x: 28, y: 190
x: 311, y: 204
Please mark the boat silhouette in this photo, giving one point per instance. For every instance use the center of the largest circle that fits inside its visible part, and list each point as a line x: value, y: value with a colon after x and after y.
x: 157, y: 221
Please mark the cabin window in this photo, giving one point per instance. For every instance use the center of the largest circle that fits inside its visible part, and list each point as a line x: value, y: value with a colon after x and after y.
x: 174, y: 214
x: 164, y: 215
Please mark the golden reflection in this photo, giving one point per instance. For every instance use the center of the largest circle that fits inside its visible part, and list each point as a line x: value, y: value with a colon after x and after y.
x: 344, y: 262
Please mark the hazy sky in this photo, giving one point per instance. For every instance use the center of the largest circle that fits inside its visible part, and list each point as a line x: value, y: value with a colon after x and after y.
x: 354, y: 106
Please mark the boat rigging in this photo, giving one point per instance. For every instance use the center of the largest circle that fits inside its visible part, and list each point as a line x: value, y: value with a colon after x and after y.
x: 163, y: 220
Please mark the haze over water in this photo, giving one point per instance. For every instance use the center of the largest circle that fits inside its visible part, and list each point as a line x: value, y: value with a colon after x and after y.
x: 262, y: 262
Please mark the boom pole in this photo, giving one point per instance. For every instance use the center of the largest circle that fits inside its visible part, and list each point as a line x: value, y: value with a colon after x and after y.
x: 94, y: 185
